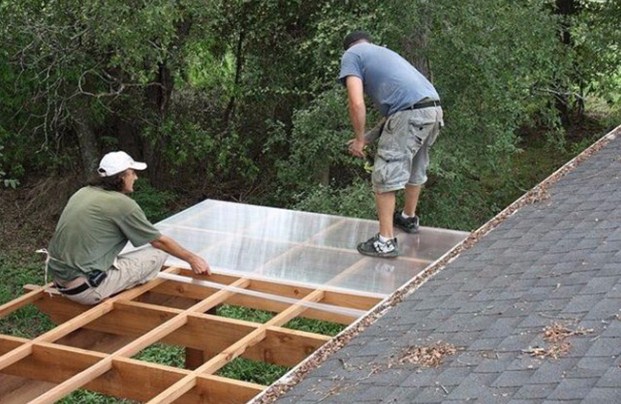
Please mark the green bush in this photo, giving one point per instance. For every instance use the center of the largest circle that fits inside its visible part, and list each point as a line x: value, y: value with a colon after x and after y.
x: 355, y: 200
x: 154, y: 202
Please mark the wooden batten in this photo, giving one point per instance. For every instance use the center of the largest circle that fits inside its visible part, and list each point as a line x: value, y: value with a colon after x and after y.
x: 286, y: 347
x: 216, y: 390
x: 21, y: 301
x: 48, y: 363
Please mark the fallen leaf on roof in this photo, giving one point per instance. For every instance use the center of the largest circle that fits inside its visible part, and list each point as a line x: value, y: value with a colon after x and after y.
x: 427, y: 356
x: 556, y: 335
x: 558, y: 332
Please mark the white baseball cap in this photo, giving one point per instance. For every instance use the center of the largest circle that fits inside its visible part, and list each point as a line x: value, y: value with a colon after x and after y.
x: 116, y: 162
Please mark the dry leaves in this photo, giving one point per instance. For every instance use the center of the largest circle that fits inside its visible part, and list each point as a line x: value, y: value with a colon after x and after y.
x: 558, y: 332
x: 427, y: 356
x: 556, y: 335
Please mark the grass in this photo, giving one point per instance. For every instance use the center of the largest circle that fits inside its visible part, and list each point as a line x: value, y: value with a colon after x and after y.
x: 87, y: 396
x: 252, y: 371
x: 163, y: 354
x: 15, y: 272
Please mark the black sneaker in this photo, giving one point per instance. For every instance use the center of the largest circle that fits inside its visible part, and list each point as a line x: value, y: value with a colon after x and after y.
x: 409, y: 225
x: 373, y: 247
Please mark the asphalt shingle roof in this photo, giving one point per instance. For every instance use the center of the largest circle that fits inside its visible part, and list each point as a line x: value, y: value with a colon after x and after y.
x: 531, y: 312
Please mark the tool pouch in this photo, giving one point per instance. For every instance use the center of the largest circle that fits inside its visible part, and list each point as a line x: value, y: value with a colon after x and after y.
x: 96, y: 277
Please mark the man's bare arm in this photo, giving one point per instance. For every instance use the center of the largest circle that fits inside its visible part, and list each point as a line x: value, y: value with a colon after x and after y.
x: 197, y: 263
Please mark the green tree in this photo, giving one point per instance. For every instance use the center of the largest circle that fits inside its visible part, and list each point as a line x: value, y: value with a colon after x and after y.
x: 589, y: 33
x: 86, y: 67
x: 597, y: 42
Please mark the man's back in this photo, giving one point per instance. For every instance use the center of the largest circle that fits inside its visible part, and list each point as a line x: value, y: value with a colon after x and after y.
x: 391, y: 81
x: 92, y: 230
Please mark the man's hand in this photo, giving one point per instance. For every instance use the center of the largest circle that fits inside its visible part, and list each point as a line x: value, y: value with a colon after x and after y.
x: 199, y: 265
x: 356, y: 147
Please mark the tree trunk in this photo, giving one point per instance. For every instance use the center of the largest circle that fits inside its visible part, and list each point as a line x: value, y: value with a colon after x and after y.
x: 415, y: 44
x: 87, y: 140
x: 566, y: 9
x: 239, y: 57
x: 158, y: 96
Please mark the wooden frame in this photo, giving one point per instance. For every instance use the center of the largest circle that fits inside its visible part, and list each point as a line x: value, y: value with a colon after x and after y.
x: 293, y: 264
x: 92, y: 346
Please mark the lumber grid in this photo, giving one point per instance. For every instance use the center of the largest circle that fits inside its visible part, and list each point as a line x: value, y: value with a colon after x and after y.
x: 92, y: 347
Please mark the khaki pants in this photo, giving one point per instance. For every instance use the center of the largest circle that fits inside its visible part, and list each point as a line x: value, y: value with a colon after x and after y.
x: 129, y: 270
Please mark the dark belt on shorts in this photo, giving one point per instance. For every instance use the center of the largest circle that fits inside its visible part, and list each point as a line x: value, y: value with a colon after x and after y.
x: 93, y: 280
x: 426, y: 104
x: 73, y: 291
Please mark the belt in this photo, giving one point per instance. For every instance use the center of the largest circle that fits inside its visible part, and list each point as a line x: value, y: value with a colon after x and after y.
x: 426, y: 104
x: 93, y: 279
x: 73, y: 291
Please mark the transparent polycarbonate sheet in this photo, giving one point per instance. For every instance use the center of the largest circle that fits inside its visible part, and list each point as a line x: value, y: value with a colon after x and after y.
x: 301, y: 248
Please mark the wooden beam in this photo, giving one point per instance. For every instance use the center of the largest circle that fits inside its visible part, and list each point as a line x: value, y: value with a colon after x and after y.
x: 60, y: 309
x: 295, y: 310
x: 136, y: 380
x: 184, y: 385
x: 285, y: 347
x: 350, y: 300
x: 21, y: 301
x: 132, y: 348
x: 127, y: 378
x: 48, y: 362
x: 270, y: 301
x: 8, y: 343
x: 19, y: 390
x: 216, y: 390
x: 104, y: 365
x: 64, y: 329
x: 227, y: 355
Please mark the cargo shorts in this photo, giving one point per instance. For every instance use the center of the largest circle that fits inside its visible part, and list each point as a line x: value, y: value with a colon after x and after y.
x: 402, y: 156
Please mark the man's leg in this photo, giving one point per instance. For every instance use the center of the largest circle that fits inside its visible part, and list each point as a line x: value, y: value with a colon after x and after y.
x: 131, y: 269
x: 383, y: 244
x: 139, y: 266
x: 385, y: 203
x: 412, y: 192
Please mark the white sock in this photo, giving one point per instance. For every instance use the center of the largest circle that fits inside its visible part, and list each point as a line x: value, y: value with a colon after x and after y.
x: 383, y: 239
x: 403, y: 215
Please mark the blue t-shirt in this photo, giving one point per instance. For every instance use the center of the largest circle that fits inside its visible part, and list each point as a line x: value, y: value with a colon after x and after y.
x: 391, y: 81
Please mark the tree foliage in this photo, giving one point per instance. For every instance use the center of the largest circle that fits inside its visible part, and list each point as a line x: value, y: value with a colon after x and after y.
x: 238, y: 99
x: 598, y: 49
x: 75, y: 70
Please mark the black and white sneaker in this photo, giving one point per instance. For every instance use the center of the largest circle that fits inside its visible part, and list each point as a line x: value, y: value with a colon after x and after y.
x: 373, y: 247
x: 409, y: 225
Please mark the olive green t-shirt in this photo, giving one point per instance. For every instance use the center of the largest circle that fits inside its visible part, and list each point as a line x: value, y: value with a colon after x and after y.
x: 93, y: 229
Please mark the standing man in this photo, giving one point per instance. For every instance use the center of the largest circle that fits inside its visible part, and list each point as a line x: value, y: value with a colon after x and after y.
x: 95, y: 226
x: 411, y: 122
